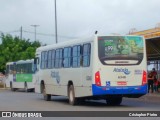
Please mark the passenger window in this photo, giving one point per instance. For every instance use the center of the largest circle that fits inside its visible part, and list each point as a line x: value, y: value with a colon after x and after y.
x: 49, y: 59
x: 67, y: 57
x: 76, y: 56
x: 59, y: 58
x: 86, y: 55
x: 53, y: 58
x: 44, y: 60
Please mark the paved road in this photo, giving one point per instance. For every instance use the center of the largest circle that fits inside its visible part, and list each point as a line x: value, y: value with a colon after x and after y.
x: 21, y: 101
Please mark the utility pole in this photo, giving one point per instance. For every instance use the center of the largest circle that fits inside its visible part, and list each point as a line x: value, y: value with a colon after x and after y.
x: 35, y: 26
x: 21, y: 33
x: 56, y: 37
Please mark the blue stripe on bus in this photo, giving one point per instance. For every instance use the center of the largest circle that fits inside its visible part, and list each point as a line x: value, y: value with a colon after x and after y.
x: 104, y: 90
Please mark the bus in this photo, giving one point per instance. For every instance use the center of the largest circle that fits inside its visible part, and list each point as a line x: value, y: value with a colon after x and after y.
x: 100, y: 67
x: 20, y: 75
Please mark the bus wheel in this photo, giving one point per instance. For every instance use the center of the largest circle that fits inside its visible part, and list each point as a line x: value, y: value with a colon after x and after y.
x: 46, y: 96
x: 11, y: 86
x: 114, y: 100
x: 25, y: 87
x: 33, y: 90
x: 71, y: 95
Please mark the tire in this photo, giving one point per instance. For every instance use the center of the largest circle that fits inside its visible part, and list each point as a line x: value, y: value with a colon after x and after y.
x: 33, y: 90
x: 47, y: 97
x: 26, y: 87
x: 114, y: 101
x: 71, y: 95
x: 11, y: 86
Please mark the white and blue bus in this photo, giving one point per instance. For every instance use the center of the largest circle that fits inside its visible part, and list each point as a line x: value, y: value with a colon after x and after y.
x: 100, y: 67
x: 20, y: 75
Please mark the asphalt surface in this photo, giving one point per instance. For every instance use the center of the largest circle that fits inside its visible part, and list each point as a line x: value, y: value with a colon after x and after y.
x: 21, y: 101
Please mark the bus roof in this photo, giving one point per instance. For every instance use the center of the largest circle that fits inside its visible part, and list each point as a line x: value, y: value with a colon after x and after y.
x: 66, y: 44
x: 10, y: 63
x: 72, y: 42
x: 21, y: 61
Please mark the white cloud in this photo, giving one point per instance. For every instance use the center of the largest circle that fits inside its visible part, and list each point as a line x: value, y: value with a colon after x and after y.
x: 78, y: 17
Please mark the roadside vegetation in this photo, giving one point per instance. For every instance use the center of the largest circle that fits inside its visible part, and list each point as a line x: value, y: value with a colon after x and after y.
x: 14, y: 48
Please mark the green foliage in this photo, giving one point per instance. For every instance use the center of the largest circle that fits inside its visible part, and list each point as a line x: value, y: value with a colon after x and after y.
x: 13, y: 49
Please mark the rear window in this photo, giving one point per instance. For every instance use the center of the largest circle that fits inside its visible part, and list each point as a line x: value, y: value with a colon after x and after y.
x: 120, y: 50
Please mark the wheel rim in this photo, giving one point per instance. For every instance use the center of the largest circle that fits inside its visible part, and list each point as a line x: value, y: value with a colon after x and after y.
x: 71, y: 96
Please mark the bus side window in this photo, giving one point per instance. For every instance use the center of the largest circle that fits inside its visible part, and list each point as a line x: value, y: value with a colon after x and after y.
x: 67, y: 57
x: 59, y: 58
x: 49, y: 59
x: 53, y: 58
x: 11, y: 69
x: 76, y: 56
x: 36, y: 63
x: 86, y: 54
x: 44, y: 55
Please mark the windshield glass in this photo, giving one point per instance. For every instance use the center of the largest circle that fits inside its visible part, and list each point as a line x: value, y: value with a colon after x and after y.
x: 120, y: 49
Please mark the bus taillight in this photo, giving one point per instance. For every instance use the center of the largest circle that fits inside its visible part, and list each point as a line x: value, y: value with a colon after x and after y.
x: 97, y: 79
x: 144, y: 78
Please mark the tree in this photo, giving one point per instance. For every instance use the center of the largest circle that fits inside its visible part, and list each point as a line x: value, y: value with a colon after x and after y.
x: 14, y: 49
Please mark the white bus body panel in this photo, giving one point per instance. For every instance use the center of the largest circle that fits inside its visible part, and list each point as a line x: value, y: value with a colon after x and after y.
x: 20, y: 85
x: 83, y: 78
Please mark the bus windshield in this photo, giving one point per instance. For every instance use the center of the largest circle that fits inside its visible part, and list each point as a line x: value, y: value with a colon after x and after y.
x: 120, y: 50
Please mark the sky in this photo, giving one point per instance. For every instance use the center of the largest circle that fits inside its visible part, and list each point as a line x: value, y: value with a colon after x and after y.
x: 76, y: 18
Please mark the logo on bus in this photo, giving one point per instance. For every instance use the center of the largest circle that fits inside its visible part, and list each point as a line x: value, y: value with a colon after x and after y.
x: 124, y: 70
x: 56, y: 76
